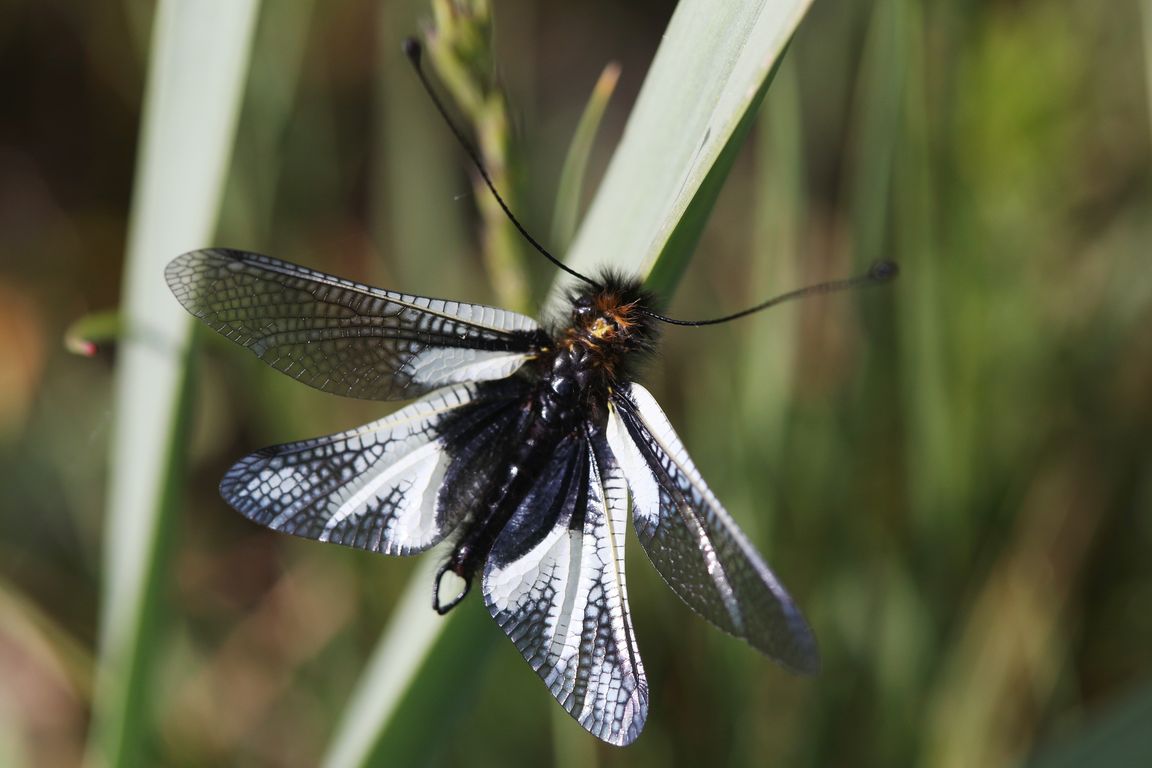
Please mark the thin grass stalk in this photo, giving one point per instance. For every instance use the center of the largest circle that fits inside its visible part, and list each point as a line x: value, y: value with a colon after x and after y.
x: 937, y: 459
x: 769, y: 345
x: 571, y: 185
x: 459, y: 47
x: 417, y: 218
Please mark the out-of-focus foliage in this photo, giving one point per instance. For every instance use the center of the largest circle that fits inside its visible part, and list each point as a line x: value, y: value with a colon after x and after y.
x: 956, y: 485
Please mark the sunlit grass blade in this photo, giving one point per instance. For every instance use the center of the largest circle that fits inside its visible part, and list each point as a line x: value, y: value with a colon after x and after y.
x: 571, y: 184
x: 777, y: 224
x: 709, y: 75
x: 416, y: 681
x: 196, y: 75
x: 413, y: 629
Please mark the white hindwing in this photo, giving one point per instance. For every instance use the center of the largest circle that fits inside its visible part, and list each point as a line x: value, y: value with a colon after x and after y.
x: 564, y: 602
x: 374, y: 487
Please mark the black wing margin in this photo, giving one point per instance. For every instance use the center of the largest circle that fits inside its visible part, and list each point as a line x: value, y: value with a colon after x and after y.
x: 693, y: 542
x: 345, y: 337
x: 554, y: 582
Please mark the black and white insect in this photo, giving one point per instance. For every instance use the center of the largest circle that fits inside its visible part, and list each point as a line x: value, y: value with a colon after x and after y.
x: 522, y: 453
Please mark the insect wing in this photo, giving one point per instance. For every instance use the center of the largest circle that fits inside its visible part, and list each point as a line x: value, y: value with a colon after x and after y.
x: 344, y: 337
x: 554, y: 582
x: 380, y: 487
x: 693, y: 542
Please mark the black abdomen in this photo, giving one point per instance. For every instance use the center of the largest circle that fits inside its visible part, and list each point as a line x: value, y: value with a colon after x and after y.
x: 557, y: 408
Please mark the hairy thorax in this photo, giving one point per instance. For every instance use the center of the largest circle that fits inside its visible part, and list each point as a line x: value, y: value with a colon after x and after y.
x: 609, y: 330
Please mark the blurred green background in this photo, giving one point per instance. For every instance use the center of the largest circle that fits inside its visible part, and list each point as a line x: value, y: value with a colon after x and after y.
x: 950, y: 474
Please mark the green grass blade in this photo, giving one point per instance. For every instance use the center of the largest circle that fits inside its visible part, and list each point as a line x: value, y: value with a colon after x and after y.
x: 412, y: 629
x: 769, y: 347
x: 708, y: 77
x: 198, y: 63
x: 419, y: 674
x: 1118, y: 737
x: 571, y: 184
x: 248, y: 214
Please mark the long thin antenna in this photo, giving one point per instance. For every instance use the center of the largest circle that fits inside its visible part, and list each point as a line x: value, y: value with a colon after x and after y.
x: 413, y: 51
x: 880, y: 272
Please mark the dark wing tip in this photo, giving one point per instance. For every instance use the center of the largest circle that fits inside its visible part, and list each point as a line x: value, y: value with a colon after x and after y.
x: 787, y: 639
x: 803, y: 652
x: 804, y: 658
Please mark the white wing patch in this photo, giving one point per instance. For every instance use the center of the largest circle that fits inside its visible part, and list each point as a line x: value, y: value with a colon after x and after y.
x: 642, y: 483
x: 374, y: 487
x: 414, y: 480
x: 450, y: 365
x: 564, y: 603
x: 477, y: 314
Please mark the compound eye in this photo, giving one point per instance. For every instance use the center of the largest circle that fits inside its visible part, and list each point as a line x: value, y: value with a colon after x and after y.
x: 582, y: 307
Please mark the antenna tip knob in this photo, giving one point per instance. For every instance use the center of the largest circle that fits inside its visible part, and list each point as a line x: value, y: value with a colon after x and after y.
x: 883, y: 271
x: 412, y: 49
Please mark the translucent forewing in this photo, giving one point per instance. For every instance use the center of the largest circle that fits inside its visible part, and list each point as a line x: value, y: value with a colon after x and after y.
x: 345, y: 337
